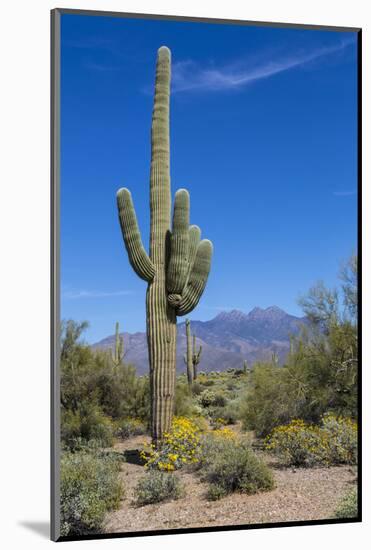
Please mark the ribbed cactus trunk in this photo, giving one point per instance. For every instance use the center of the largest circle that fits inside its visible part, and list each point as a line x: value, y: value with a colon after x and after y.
x: 188, y: 358
x: 161, y: 317
x: 178, y: 263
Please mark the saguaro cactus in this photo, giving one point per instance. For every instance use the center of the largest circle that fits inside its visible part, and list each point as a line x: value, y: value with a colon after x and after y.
x: 178, y: 263
x: 118, y: 354
x: 192, y: 357
x: 245, y: 365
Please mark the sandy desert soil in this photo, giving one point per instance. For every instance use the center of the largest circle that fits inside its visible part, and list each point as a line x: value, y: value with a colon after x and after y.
x: 300, y: 494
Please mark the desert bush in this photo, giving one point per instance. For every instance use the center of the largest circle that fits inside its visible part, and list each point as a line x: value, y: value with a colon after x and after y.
x: 229, y: 465
x: 224, y: 415
x: 209, y: 398
x: 297, y: 444
x: 266, y: 404
x: 121, y: 393
x: 178, y: 447
x: 184, y: 405
x: 217, y: 421
x: 321, y: 371
x: 340, y: 437
x: 90, y: 487
x: 215, y: 492
x: 129, y: 427
x: 238, y: 372
x: 348, y: 506
x: 200, y: 422
x: 300, y: 444
x: 207, y: 382
x: 157, y: 486
x: 94, y: 391
x: 85, y: 424
x: 197, y: 388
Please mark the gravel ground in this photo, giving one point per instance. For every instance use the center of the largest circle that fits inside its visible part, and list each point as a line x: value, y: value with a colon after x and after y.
x: 300, y: 494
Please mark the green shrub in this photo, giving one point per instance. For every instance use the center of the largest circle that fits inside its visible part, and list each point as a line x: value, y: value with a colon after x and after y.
x: 85, y: 424
x: 94, y: 391
x: 232, y: 465
x: 197, y: 388
x: 297, y: 444
x: 207, y: 382
x: 210, y: 398
x: 224, y: 415
x: 300, y: 444
x: 121, y: 392
x: 215, y: 492
x: 130, y: 427
x: 184, y: 405
x: 266, y: 404
x: 348, y: 506
x: 90, y: 486
x: 157, y: 486
x: 340, y: 435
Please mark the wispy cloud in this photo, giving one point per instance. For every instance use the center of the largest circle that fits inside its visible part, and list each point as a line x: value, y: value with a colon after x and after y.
x: 76, y: 294
x: 188, y: 75
x: 344, y: 193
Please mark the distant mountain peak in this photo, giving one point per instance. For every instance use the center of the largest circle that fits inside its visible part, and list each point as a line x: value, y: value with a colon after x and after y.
x: 227, y: 340
x: 269, y: 312
x: 233, y: 315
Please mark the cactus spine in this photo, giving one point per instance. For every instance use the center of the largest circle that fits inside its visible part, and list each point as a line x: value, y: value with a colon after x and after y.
x: 178, y: 263
x: 192, y: 357
x: 118, y: 354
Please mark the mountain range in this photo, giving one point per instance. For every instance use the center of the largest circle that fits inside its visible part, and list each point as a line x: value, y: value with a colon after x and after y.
x: 227, y: 340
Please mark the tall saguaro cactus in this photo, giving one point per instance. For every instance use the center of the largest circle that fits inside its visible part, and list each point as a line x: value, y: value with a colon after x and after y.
x: 178, y: 263
x: 118, y: 354
x: 192, y: 357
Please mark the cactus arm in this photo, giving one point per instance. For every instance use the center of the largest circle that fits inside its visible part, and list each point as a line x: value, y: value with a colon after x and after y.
x: 194, y: 240
x: 138, y: 257
x: 197, y: 356
x: 178, y: 267
x: 197, y: 279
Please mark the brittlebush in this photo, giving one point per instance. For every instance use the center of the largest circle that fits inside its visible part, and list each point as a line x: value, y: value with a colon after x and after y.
x: 334, y: 441
x: 179, y: 447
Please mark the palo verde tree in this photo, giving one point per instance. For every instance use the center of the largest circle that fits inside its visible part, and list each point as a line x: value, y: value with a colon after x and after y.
x: 178, y: 264
x: 192, y: 357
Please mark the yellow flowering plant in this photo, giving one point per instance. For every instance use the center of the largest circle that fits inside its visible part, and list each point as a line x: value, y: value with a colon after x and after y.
x: 179, y: 447
x: 224, y: 433
x: 334, y: 441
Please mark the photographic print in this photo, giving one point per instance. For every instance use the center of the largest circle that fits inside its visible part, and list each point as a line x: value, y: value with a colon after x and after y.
x: 205, y: 182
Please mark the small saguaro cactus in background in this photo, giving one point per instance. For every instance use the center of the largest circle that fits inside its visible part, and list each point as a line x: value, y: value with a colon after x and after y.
x: 245, y: 364
x: 118, y: 354
x: 178, y: 264
x: 274, y: 358
x: 192, y: 357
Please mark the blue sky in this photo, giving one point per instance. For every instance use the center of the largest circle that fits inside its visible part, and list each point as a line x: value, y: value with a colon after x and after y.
x: 263, y: 135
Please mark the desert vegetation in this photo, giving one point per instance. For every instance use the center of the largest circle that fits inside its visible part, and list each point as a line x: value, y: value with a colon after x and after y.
x: 233, y: 432
x: 218, y: 440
